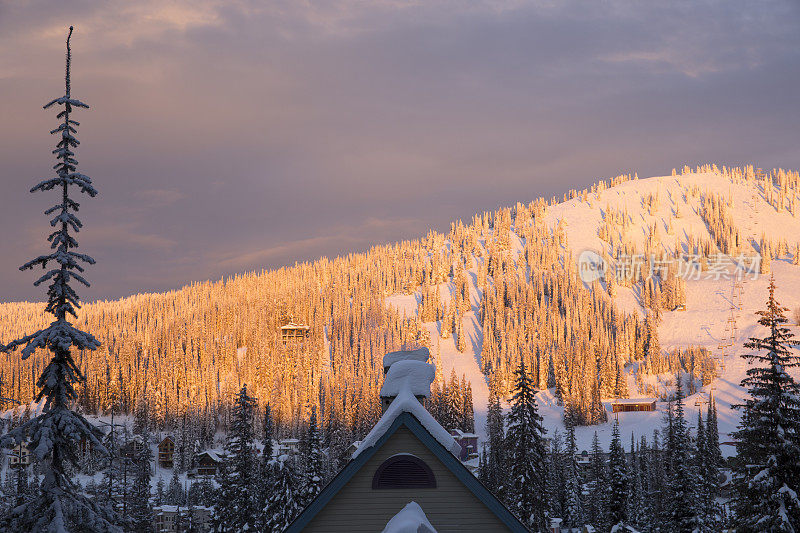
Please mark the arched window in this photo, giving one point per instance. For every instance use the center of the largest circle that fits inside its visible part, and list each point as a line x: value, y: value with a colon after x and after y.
x: 403, y: 471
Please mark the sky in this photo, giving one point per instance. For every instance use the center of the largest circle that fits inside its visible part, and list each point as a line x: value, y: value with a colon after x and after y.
x: 235, y: 136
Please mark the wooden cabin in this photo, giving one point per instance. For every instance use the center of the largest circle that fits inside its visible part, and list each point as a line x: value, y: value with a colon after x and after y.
x: 166, y: 452
x: 132, y: 448
x: 19, y: 456
x: 206, y: 463
x: 633, y: 405
x: 294, y: 333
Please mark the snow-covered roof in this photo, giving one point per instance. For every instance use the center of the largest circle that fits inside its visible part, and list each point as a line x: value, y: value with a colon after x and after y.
x: 407, y: 403
x: 183, y: 508
x: 413, y: 375
x: 633, y: 401
x: 420, y: 354
x: 215, y: 455
x: 463, y: 434
x: 411, y: 519
x: 292, y: 325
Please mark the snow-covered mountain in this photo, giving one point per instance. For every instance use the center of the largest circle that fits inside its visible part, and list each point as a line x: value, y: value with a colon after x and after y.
x: 667, y: 211
x: 190, y: 350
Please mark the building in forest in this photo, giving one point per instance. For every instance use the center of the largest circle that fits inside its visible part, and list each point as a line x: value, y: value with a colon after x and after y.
x: 406, y: 470
x: 206, y: 463
x: 130, y: 449
x: 468, y: 443
x: 633, y: 404
x: 19, y: 456
x: 294, y: 333
x: 176, y: 519
x: 166, y: 452
x: 288, y: 446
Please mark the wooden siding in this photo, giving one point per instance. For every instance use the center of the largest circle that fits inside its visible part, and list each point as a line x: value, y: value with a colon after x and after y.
x: 450, y: 507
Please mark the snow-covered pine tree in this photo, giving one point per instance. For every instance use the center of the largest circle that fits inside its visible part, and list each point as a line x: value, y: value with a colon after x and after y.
x: 225, y: 508
x: 461, y: 341
x: 284, y: 502
x: 240, y: 447
x: 712, y: 434
x: 526, y: 454
x: 468, y: 414
x: 160, y: 496
x: 682, y: 482
x: 637, y: 516
x: 141, y: 512
x: 175, y: 494
x: 707, y: 479
x: 767, y: 467
x: 4, y: 400
x: 314, y: 471
x: 495, y: 463
x: 54, y: 434
x: 264, y: 482
x: 556, y: 480
x: 618, y: 480
x: 598, y: 486
x: 574, y: 515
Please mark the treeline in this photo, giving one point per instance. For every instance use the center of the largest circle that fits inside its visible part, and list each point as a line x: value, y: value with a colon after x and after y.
x: 185, y: 353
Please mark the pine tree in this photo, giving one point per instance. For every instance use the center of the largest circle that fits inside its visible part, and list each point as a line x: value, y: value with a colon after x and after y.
x: 526, y: 454
x: 682, y: 483
x: 767, y: 468
x: 468, y: 414
x: 264, y: 484
x: 174, y: 494
x: 495, y: 463
x: 766, y: 257
x: 141, y: 511
x: 574, y: 515
x: 54, y: 434
x: 712, y: 435
x: 637, y: 515
x: 461, y: 341
x: 556, y: 480
x: 240, y: 448
x: 618, y: 477
x: 312, y: 482
x: 160, y: 496
x: 283, y: 505
x: 225, y: 507
x: 707, y: 479
x: 597, y: 508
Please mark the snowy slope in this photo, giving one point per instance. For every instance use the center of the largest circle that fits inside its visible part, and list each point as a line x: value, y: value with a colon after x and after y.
x: 708, y: 301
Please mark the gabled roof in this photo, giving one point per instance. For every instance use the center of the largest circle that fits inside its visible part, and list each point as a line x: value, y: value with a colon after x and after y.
x: 406, y: 403
x: 212, y: 454
x: 408, y: 420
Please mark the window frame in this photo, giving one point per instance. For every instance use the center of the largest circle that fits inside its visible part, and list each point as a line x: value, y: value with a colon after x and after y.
x: 379, y: 484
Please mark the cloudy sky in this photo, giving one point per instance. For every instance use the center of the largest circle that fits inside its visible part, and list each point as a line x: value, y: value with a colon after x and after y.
x: 233, y: 136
